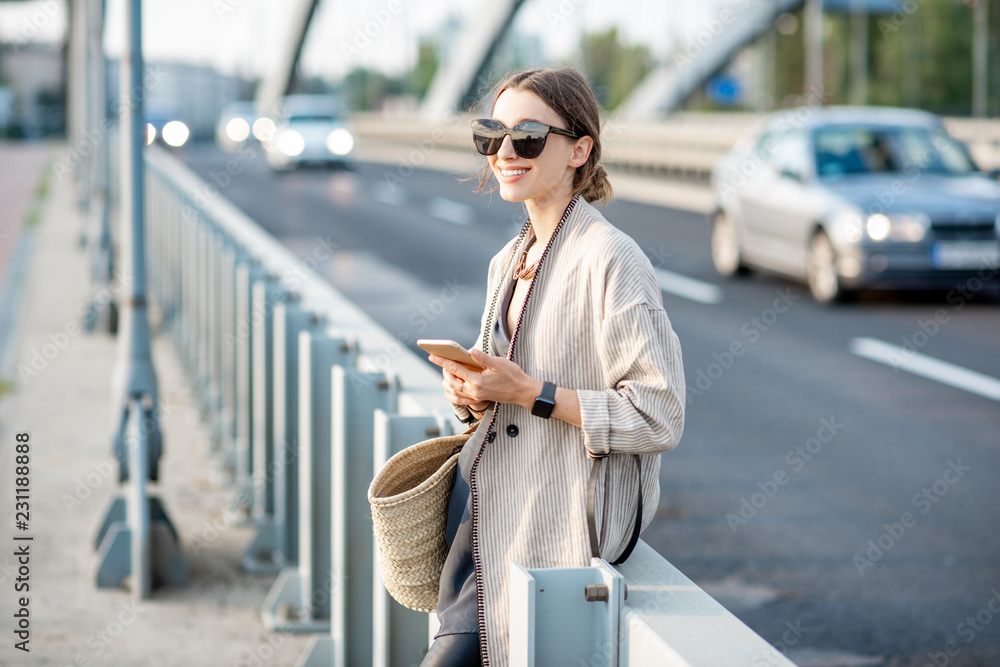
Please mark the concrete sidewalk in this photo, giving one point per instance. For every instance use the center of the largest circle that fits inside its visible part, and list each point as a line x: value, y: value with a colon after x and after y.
x: 61, y: 397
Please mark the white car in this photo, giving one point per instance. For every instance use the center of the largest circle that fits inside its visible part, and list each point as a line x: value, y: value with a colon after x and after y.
x: 309, y: 129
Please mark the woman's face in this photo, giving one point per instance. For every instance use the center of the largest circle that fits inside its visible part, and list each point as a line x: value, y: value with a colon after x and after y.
x: 548, y: 178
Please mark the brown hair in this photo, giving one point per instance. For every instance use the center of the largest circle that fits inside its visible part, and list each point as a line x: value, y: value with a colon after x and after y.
x: 567, y: 91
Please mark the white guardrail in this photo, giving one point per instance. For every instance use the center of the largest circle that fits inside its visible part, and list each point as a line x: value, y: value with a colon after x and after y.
x: 308, y: 397
x: 685, y: 146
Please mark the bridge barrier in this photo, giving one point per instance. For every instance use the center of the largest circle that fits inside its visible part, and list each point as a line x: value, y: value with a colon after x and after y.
x: 308, y: 398
x: 684, y: 146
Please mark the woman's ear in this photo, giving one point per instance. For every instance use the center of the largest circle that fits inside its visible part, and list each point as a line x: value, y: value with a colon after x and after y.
x: 581, y: 151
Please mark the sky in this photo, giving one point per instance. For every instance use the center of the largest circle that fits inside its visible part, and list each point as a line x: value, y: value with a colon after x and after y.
x: 243, y: 36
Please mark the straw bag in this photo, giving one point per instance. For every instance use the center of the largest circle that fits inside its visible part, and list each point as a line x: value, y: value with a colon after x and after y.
x: 409, y: 499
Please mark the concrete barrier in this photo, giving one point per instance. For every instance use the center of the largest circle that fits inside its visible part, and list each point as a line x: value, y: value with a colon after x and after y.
x: 683, y: 147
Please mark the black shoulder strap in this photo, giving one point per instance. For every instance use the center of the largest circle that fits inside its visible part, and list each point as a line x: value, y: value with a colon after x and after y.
x: 595, y: 548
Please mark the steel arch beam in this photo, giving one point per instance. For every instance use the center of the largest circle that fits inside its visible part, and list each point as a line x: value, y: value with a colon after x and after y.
x: 666, y: 87
x: 455, y: 85
x: 278, y: 82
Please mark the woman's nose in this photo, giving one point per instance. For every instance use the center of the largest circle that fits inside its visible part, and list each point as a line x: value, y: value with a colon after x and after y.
x: 507, y: 151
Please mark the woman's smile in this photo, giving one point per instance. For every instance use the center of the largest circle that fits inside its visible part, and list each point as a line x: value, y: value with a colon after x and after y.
x: 511, y: 174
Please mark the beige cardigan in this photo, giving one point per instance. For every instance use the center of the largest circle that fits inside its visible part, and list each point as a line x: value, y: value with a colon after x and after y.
x: 594, y: 323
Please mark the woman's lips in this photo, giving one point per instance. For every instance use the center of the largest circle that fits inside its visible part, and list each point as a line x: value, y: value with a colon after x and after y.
x: 511, y: 174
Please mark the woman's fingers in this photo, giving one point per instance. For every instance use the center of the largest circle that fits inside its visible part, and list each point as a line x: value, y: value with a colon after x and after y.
x: 456, y: 388
x: 464, y: 386
x: 452, y: 367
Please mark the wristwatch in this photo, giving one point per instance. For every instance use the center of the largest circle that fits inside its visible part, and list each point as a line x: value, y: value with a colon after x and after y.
x: 545, y: 402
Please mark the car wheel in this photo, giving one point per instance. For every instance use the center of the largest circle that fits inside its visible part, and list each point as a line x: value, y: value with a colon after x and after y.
x: 726, y: 254
x: 824, y: 283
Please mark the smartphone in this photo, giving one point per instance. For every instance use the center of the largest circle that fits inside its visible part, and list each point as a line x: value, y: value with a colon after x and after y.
x: 449, y: 349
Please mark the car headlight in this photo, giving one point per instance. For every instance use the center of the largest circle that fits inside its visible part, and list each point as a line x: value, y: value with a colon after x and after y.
x: 175, y: 133
x: 340, y: 142
x: 878, y: 227
x: 912, y: 228
x: 237, y: 129
x: 150, y: 133
x: 291, y: 143
x: 263, y: 129
x: 847, y: 225
x: 909, y: 228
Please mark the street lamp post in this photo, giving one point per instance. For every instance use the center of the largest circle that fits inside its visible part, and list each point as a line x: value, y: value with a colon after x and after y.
x: 134, y: 375
x: 859, y: 52
x: 813, y: 33
x: 980, y: 46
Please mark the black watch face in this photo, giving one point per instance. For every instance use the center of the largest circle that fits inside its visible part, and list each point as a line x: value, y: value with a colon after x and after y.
x: 542, y: 408
x: 545, y: 402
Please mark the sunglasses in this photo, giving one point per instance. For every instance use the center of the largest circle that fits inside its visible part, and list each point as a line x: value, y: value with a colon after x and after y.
x: 528, y: 137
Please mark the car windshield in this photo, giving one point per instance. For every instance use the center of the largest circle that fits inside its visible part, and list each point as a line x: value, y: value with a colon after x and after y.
x: 867, y: 150
x: 312, y: 118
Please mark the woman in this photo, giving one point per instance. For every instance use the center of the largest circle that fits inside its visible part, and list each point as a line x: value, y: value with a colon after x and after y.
x: 581, y: 363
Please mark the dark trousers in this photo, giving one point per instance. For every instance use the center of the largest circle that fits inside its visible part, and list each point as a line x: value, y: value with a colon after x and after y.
x: 458, y: 650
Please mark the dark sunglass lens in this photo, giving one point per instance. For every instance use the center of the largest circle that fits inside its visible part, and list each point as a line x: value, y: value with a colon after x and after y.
x: 529, y: 148
x: 529, y: 139
x: 483, y: 144
x: 487, y: 135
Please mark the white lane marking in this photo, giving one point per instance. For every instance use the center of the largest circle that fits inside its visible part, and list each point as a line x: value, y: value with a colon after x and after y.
x: 450, y: 211
x: 920, y: 364
x: 689, y: 288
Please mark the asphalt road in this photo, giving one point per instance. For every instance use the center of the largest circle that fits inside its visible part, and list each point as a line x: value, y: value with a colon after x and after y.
x: 847, y: 510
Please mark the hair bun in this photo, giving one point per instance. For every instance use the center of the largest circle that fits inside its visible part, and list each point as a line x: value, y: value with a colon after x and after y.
x: 598, y: 185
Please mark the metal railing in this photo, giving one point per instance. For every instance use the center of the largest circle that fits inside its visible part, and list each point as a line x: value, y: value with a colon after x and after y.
x: 308, y: 398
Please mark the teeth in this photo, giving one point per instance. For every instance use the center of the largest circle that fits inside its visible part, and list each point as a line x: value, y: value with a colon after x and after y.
x: 513, y: 172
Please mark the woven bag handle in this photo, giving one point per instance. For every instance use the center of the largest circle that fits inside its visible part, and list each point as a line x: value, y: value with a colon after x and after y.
x: 595, y: 548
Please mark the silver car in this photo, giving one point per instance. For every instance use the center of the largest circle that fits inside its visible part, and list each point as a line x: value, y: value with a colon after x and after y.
x: 845, y: 198
x: 309, y: 129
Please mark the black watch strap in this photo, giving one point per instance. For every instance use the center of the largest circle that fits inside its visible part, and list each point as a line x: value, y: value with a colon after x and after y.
x: 545, y: 402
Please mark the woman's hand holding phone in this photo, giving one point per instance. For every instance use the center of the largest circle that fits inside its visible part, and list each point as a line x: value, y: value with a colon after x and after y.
x: 500, y: 380
x: 447, y: 353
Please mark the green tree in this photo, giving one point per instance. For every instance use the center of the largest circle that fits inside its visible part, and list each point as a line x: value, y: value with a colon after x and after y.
x: 364, y: 89
x: 425, y: 68
x: 613, y: 68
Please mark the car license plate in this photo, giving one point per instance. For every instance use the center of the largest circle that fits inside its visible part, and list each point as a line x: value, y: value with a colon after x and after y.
x: 966, y: 255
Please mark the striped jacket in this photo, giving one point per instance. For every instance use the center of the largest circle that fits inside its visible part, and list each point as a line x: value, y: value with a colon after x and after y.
x: 594, y: 322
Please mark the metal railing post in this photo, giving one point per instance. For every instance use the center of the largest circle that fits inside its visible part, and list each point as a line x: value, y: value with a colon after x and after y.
x: 400, y: 635
x: 289, y: 319
x: 174, y: 236
x: 356, y: 397
x: 212, y: 321
x: 299, y: 600
x: 186, y: 262
x: 202, y: 365
x: 565, y: 615
x: 231, y: 256
x: 263, y: 553
x: 248, y: 272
